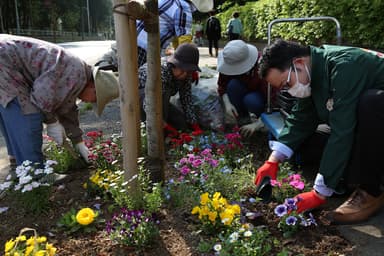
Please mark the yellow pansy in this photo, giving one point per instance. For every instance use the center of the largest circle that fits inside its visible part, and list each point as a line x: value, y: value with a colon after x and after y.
x: 236, y: 208
x: 9, y: 245
x: 28, y: 250
x: 31, y: 241
x: 21, y: 238
x: 217, y: 195
x: 85, y: 216
x: 212, y: 216
x: 204, y: 198
x: 195, y: 210
x: 41, y: 253
x: 41, y: 239
x: 50, y: 249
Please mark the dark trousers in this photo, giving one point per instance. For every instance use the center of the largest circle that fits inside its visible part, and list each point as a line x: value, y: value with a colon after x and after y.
x: 234, y: 36
x: 171, y: 114
x: 214, y: 43
x: 366, y: 166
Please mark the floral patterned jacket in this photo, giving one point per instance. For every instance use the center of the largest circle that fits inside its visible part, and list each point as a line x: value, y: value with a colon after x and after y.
x: 170, y: 87
x: 43, y: 77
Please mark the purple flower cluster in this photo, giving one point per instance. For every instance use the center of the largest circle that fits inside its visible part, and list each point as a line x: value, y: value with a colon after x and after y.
x: 127, y: 221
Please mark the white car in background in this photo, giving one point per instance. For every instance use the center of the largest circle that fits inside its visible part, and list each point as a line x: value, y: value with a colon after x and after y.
x: 89, y: 51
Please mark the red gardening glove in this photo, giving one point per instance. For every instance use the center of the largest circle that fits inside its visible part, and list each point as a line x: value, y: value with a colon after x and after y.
x: 308, y: 200
x: 268, y: 169
x: 196, y: 129
x: 170, y: 131
x: 195, y: 77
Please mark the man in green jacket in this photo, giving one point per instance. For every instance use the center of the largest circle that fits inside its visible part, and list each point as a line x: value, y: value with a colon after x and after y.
x: 343, y: 87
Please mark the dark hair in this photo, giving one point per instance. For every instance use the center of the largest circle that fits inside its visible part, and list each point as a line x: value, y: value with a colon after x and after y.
x: 235, y: 15
x: 280, y: 55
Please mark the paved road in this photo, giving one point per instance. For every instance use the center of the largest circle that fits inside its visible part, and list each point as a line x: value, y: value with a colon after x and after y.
x: 368, y: 236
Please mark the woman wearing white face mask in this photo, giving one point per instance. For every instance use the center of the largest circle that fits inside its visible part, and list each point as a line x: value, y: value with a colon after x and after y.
x: 343, y: 87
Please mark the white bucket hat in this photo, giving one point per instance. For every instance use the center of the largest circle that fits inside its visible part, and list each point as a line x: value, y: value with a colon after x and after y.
x: 236, y: 58
x: 203, y: 5
x: 107, y: 88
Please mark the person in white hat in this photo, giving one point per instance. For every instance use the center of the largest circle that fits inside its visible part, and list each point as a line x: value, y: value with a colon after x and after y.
x: 40, y: 83
x: 240, y: 86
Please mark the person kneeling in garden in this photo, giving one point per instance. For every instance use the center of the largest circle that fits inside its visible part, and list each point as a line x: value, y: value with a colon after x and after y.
x: 176, y: 76
x: 239, y: 85
x: 40, y: 83
x: 343, y: 87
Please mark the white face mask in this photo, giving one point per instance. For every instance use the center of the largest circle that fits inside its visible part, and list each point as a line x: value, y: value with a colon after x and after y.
x: 299, y: 90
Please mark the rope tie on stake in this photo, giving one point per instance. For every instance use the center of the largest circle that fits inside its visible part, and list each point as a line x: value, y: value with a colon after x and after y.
x: 136, y: 10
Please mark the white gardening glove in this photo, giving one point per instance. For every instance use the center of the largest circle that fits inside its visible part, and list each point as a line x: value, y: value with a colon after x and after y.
x: 229, y: 108
x: 83, y: 150
x: 248, y: 129
x: 56, y: 132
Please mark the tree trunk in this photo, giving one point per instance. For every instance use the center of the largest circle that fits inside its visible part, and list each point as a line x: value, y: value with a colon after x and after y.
x: 129, y: 95
x: 153, y: 95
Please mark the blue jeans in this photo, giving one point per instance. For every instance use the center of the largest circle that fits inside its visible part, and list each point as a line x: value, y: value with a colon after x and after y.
x: 22, y: 133
x: 243, y: 100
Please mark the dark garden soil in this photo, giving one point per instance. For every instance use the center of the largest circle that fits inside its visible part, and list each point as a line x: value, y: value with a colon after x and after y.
x: 177, y: 236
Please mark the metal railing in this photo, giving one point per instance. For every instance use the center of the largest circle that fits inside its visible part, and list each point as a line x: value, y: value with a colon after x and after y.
x: 56, y: 36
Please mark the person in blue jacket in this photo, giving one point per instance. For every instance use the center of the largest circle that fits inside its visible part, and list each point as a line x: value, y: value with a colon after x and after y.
x: 343, y: 87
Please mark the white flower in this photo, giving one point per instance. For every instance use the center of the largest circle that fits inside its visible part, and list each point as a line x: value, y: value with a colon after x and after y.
x: 3, y: 209
x: 48, y: 170
x: 25, y: 179
x: 38, y: 171
x: 27, y: 188
x: 233, y: 237
x: 35, y: 184
x: 27, y: 163
x: 248, y: 233
x: 217, y: 247
x: 5, y: 185
x: 50, y: 162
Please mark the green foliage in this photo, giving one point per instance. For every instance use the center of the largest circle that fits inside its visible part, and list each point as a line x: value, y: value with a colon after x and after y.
x: 243, y: 241
x: 288, y: 183
x: 30, y: 186
x: 358, y: 21
x: 37, y: 14
x: 65, y: 160
x: 133, y: 228
x: 68, y: 223
x: 148, y: 196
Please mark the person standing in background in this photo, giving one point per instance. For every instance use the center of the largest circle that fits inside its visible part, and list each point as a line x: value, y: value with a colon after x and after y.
x: 198, y: 31
x: 213, y: 32
x: 234, y: 27
x: 175, y: 22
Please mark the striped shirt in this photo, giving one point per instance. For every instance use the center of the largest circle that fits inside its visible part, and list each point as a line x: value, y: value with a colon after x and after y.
x: 175, y: 19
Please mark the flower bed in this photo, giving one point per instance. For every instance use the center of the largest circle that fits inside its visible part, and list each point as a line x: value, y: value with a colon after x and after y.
x: 206, y: 206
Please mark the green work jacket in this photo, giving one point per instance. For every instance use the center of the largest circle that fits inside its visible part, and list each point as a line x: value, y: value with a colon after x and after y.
x: 339, y: 75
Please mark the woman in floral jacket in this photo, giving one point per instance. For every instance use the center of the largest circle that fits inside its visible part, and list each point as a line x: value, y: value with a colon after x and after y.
x: 40, y: 83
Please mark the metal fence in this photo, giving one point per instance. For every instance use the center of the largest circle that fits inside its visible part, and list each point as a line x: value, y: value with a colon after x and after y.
x: 61, y: 36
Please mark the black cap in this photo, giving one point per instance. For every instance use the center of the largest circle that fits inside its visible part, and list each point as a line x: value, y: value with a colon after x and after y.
x: 186, y: 57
